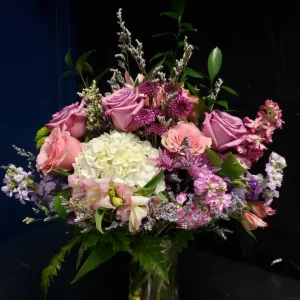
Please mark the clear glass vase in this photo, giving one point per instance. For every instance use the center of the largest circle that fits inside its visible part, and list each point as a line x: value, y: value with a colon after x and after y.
x: 147, y: 286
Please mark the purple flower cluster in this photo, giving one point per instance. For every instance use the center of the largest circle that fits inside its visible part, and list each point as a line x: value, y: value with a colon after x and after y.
x: 254, y: 188
x: 180, y: 107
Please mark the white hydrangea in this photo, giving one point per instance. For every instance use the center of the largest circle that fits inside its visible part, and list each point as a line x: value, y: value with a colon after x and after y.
x: 120, y: 156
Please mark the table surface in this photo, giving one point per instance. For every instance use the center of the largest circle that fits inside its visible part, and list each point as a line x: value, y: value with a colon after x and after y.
x: 202, y: 275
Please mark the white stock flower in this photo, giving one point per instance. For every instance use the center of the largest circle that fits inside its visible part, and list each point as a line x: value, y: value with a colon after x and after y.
x: 120, y: 156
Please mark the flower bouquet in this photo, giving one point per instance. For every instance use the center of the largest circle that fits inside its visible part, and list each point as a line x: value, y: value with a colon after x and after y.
x: 144, y: 168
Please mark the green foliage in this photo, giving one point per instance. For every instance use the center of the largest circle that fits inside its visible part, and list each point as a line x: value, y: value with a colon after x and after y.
x: 149, y: 189
x: 68, y: 59
x: 43, y: 132
x: 163, y: 34
x: 229, y: 90
x: 214, y: 63
x: 192, y: 89
x: 58, y: 207
x: 231, y: 168
x: 172, y: 15
x: 223, y: 103
x: 186, y: 25
x: 182, y: 31
x: 99, y: 214
x: 87, y: 68
x: 213, y: 157
x: 55, y: 264
x: 149, y: 253
x: 102, y: 74
x: 66, y: 74
x: 193, y: 73
x: 61, y: 172
x: 180, y: 238
x: 99, y: 255
x: 178, y: 6
x: 40, y: 143
x: 120, y: 241
x: 81, y: 251
x: 161, y: 196
x: 81, y: 60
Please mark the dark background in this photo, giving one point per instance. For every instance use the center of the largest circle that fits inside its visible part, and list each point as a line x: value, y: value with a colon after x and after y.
x: 260, y: 45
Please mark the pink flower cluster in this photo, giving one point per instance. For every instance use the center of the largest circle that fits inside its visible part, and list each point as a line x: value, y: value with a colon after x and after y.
x: 260, y: 131
x: 213, y: 189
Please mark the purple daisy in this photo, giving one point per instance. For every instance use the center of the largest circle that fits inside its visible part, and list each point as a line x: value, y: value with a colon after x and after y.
x: 180, y: 107
x: 156, y: 128
x: 147, y: 89
x: 144, y: 116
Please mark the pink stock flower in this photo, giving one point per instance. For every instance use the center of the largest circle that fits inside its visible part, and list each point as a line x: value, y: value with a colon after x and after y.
x: 260, y: 209
x: 181, y: 198
x: 253, y: 125
x: 218, y: 200
x: 58, y: 151
x: 251, y: 221
x: 225, y: 130
x: 173, y: 138
x: 255, y: 142
x: 71, y: 119
x: 122, y: 106
x: 92, y: 192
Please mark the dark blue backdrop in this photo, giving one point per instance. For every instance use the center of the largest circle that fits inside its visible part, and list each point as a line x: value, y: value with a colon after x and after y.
x: 35, y: 35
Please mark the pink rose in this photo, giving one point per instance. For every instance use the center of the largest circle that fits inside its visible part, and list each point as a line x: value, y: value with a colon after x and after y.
x: 71, y: 118
x: 173, y: 138
x: 121, y: 106
x: 225, y: 130
x: 58, y: 151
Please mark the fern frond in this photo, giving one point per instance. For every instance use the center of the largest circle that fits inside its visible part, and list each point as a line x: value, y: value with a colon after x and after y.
x: 55, y: 264
x: 81, y: 252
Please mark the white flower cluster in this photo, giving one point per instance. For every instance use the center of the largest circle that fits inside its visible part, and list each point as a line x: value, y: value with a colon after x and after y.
x: 120, y: 156
x: 274, y: 169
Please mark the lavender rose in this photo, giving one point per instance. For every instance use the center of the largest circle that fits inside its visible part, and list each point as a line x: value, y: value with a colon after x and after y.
x: 225, y: 130
x: 71, y: 119
x: 122, y: 106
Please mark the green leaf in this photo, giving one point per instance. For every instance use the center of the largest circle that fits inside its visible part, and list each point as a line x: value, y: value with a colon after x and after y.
x: 146, y: 192
x: 172, y: 15
x: 163, y: 34
x: 168, y: 64
x: 204, y: 86
x: 87, y: 68
x: 102, y: 74
x: 161, y: 196
x: 201, y: 108
x: 61, y: 172
x: 229, y: 90
x: 186, y: 25
x: 81, y: 251
x: 157, y: 55
x: 213, y: 157
x: 101, y: 254
x: 192, y: 89
x: 193, y: 73
x: 181, y: 44
x: 247, y: 230
x: 40, y: 143
x: 231, y: 168
x: 58, y: 207
x: 99, y: 217
x: 43, y: 132
x: 155, y: 66
x: 149, y: 253
x: 120, y: 241
x: 156, y: 180
x: 65, y: 75
x: 214, y: 63
x: 178, y: 6
x: 181, y: 31
x: 55, y: 264
x: 180, y: 238
x: 223, y: 103
x: 68, y: 59
x: 82, y: 59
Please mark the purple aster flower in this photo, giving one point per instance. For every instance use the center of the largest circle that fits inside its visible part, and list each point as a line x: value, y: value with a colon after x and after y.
x: 180, y: 107
x: 158, y: 111
x: 147, y: 88
x: 169, y: 87
x: 144, y: 116
x: 156, y: 128
x: 167, y: 160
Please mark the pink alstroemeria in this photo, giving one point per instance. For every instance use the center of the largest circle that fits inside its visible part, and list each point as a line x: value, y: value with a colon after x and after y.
x: 251, y: 221
x: 93, y: 192
x: 261, y: 210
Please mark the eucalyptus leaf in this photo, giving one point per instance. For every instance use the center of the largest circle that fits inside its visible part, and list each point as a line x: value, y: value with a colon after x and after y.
x: 66, y: 74
x: 87, y: 68
x: 186, y: 25
x: 68, y: 59
x: 213, y: 157
x: 214, y: 63
x: 231, y: 168
x: 171, y: 14
x: 82, y: 59
x: 223, y: 103
x: 193, y: 73
x: 229, y: 90
x: 178, y: 6
x: 58, y: 207
x: 101, y: 254
x: 99, y: 214
x: 163, y: 34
